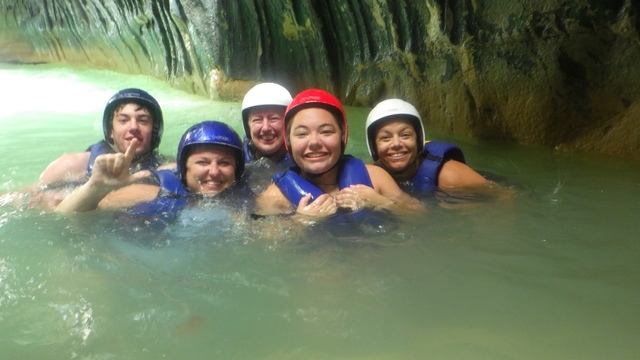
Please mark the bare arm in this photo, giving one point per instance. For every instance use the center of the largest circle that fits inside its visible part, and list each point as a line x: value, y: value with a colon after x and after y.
x: 67, y: 168
x: 458, y: 179
x: 110, y: 172
x: 128, y: 196
x: 385, y: 194
x: 457, y: 174
x: 273, y: 202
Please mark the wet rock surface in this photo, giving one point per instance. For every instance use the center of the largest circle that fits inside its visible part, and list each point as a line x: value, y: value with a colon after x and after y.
x: 559, y: 74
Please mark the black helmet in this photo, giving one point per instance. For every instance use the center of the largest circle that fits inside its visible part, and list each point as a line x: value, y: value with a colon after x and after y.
x: 140, y: 97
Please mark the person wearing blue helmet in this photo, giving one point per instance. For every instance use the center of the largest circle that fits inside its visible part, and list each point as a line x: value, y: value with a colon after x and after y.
x: 209, y: 161
x: 129, y: 114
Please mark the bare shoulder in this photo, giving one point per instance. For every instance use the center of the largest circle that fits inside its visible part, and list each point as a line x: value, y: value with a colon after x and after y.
x: 455, y: 174
x: 387, y: 187
x: 67, y: 168
x: 169, y: 166
x: 380, y: 177
x: 129, y: 195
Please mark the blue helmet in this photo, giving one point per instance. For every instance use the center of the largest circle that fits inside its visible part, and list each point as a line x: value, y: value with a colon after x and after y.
x: 214, y: 133
x: 140, y: 97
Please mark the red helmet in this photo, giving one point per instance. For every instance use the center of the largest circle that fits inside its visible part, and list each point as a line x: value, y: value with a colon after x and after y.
x: 316, y: 98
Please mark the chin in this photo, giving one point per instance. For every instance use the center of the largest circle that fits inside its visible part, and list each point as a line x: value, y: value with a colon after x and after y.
x: 317, y: 170
x: 396, y: 167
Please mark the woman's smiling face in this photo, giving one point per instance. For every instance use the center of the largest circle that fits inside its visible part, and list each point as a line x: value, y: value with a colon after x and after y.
x: 210, y: 169
x: 315, y: 139
x: 396, y: 142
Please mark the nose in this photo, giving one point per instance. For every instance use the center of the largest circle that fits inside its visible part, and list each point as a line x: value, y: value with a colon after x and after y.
x: 314, y: 140
x: 133, y: 125
x: 395, y: 142
x: 265, y: 125
x: 214, y: 169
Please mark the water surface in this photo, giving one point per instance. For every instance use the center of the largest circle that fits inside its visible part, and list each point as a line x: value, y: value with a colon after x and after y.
x: 554, y: 273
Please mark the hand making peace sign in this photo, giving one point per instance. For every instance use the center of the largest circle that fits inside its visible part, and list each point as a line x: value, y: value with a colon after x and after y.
x: 112, y: 170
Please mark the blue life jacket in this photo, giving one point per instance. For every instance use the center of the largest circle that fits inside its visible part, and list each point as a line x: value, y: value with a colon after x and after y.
x: 171, y: 184
x: 351, y: 171
x: 434, y: 155
x: 150, y: 162
x: 173, y: 196
x: 250, y: 157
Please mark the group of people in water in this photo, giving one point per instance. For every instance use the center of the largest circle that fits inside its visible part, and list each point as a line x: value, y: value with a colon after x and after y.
x: 301, y: 139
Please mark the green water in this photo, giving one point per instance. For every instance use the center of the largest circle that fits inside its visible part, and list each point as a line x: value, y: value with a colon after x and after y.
x: 554, y: 273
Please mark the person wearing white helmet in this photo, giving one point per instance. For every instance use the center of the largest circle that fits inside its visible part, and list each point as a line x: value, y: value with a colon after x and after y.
x: 325, y: 182
x: 396, y: 141
x: 262, y: 120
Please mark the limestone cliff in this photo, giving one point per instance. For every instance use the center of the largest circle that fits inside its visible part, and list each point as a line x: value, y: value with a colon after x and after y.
x: 560, y: 74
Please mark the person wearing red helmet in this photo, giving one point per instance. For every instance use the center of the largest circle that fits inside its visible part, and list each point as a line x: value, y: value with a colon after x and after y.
x: 324, y: 179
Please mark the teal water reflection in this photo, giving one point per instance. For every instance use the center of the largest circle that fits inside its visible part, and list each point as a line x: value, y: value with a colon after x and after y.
x: 551, y: 274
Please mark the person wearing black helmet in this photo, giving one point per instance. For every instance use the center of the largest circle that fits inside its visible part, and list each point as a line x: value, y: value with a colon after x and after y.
x: 129, y: 114
x: 210, y: 160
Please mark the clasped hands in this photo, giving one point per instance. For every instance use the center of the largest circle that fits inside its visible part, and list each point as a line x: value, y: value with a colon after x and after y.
x: 353, y: 198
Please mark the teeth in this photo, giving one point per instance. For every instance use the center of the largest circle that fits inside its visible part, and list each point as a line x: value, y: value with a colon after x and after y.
x: 210, y: 183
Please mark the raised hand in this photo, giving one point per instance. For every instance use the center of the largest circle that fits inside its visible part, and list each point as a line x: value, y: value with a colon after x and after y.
x: 111, y: 171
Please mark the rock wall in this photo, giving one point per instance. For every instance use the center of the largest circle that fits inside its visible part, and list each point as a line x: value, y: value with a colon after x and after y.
x: 561, y: 74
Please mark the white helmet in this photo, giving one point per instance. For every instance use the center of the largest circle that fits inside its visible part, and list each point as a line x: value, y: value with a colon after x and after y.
x: 392, y: 109
x: 264, y: 94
